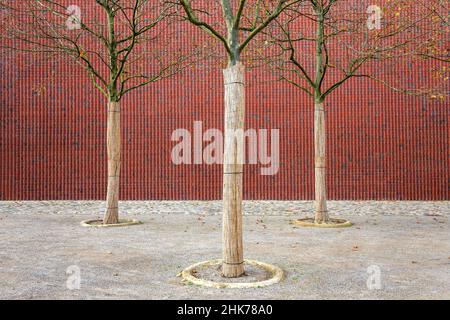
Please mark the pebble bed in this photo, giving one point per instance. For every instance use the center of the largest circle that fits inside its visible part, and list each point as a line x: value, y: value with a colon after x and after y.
x: 256, y: 208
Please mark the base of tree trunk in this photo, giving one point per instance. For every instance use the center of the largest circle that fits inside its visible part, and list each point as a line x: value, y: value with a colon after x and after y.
x: 98, y: 223
x: 191, y: 275
x: 332, y: 223
x: 111, y: 216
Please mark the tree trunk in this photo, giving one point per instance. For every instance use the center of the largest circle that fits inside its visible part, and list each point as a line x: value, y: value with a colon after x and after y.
x: 320, y: 164
x: 113, y: 146
x: 233, y: 252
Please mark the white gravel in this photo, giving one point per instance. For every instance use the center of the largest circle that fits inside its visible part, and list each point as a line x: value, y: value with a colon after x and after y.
x: 348, y: 208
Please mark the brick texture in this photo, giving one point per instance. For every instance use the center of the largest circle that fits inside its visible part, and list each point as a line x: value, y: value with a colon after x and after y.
x: 381, y: 145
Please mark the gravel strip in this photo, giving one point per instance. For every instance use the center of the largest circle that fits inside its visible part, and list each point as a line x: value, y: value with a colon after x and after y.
x: 257, y: 208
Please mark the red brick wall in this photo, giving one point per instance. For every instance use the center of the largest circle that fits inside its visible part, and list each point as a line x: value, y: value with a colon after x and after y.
x: 382, y: 145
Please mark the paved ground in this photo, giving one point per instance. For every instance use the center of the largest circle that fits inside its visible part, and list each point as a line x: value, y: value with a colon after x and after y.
x: 408, y: 242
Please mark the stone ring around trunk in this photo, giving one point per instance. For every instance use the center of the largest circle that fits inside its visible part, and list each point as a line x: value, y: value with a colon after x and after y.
x: 188, y: 275
x: 98, y: 223
x: 333, y: 223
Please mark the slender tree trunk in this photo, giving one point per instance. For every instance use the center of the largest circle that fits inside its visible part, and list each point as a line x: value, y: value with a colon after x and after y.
x: 233, y: 252
x: 320, y: 164
x: 114, y: 156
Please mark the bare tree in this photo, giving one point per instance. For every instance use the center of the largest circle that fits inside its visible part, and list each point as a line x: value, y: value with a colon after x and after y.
x: 234, y: 24
x: 321, y: 44
x: 120, y: 43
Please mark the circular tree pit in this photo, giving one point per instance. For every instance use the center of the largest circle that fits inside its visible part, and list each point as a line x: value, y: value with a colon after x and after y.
x: 98, y: 223
x: 208, y: 274
x: 332, y: 223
